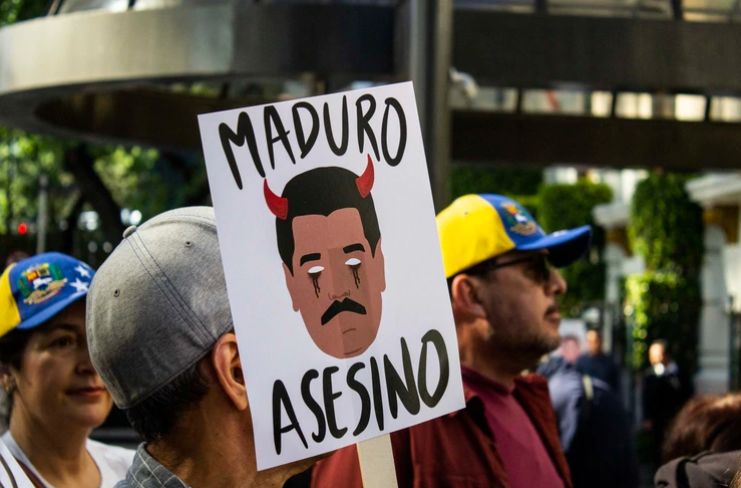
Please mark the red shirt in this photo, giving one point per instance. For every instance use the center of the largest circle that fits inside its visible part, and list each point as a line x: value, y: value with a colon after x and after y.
x: 457, y: 450
x: 523, y: 454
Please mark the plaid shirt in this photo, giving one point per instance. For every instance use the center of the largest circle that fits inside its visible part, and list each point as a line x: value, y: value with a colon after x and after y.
x: 146, y: 472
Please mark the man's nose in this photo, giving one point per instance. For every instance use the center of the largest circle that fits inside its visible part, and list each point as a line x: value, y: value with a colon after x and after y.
x: 333, y: 296
x: 556, y: 284
x: 340, y: 279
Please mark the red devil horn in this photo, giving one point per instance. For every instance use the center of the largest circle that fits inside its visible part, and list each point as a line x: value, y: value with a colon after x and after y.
x: 365, y: 181
x: 277, y: 205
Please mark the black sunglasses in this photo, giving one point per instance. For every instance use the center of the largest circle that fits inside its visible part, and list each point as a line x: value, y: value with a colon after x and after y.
x: 539, y: 269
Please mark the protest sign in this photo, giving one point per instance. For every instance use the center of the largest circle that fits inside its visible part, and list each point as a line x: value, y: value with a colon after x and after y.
x: 333, y: 269
x: 11, y: 474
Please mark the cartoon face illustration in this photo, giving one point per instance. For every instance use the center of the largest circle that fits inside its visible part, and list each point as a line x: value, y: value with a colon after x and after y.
x: 330, y: 244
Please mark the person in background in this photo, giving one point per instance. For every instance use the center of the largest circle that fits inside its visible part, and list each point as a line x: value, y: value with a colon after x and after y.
x: 705, y: 423
x: 504, y: 294
x: 570, y: 348
x: 164, y: 344
x: 664, y: 393
x: 595, y: 431
x: 703, y: 444
x: 54, y: 395
x: 596, y: 363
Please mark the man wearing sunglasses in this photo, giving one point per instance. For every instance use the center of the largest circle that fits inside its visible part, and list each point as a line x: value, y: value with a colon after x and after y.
x: 503, y: 286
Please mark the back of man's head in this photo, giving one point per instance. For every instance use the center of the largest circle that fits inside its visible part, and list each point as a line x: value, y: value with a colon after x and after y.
x: 156, y: 307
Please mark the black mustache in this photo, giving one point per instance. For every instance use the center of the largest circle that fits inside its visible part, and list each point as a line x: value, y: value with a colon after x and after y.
x: 346, y: 305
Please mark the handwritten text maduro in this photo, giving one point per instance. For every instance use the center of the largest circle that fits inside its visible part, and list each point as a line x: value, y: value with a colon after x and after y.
x: 405, y: 388
x: 298, y: 138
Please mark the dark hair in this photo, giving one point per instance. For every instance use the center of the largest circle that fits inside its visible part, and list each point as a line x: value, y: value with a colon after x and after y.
x: 480, y: 270
x: 157, y: 415
x: 12, y: 347
x: 321, y: 191
x: 708, y: 423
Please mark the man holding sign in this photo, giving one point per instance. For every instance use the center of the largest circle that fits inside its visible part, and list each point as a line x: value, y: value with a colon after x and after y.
x: 160, y: 334
x: 503, y: 290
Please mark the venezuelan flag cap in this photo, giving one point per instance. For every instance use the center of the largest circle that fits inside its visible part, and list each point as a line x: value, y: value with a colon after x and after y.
x: 475, y: 228
x: 34, y: 290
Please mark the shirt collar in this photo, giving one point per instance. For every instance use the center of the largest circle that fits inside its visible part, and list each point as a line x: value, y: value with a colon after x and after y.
x: 479, y: 382
x: 147, y: 472
x: 469, y: 394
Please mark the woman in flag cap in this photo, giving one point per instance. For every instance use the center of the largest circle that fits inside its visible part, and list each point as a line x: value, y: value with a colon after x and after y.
x: 55, y: 397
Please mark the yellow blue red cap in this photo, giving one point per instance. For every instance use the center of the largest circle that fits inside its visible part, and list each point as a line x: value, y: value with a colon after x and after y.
x: 34, y: 290
x: 475, y: 228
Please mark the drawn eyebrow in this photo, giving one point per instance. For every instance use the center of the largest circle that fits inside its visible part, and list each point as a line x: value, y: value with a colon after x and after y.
x: 310, y: 257
x: 353, y: 247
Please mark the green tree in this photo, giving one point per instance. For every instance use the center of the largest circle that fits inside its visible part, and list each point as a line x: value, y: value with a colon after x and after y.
x: 520, y: 184
x: 12, y: 11
x: 568, y: 206
x: 666, y: 228
x: 82, y: 177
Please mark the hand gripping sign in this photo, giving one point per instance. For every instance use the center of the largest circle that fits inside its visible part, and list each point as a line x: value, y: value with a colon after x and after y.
x: 333, y: 269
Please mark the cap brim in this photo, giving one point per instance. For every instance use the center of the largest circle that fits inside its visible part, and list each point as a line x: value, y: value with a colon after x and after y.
x: 50, y: 312
x: 564, y: 247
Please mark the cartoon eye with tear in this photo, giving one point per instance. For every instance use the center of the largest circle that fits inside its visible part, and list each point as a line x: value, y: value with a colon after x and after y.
x: 314, y: 273
x: 354, y: 264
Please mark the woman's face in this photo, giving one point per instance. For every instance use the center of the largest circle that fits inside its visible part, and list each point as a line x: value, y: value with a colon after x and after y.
x: 57, y: 383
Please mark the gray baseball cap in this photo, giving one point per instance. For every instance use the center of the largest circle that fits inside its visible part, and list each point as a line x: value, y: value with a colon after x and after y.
x: 158, y: 304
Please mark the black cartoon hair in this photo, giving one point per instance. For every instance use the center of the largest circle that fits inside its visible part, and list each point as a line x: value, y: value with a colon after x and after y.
x: 321, y: 191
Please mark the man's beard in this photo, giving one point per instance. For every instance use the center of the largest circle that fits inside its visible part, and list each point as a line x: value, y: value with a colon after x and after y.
x: 528, y: 348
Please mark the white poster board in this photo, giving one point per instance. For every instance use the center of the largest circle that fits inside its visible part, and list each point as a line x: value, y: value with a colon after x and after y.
x: 11, y: 474
x: 333, y: 267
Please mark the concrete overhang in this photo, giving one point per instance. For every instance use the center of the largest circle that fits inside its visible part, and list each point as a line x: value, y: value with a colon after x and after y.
x: 106, y: 76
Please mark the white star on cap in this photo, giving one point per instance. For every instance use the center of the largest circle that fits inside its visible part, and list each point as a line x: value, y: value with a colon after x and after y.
x: 83, y: 272
x: 80, y: 286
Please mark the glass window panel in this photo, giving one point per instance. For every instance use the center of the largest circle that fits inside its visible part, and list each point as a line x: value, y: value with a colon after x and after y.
x: 495, y: 99
x: 655, y: 9
x: 634, y: 106
x: 82, y: 5
x: 708, y: 4
x: 726, y: 109
x: 511, y: 6
x: 587, y: 12
x: 601, y: 103
x: 561, y: 102
x: 689, y: 107
x: 704, y: 17
x: 153, y: 4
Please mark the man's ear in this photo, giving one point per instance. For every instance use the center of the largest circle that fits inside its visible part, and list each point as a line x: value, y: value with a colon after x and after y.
x: 380, y: 264
x: 228, y: 368
x: 289, y: 285
x: 465, y: 299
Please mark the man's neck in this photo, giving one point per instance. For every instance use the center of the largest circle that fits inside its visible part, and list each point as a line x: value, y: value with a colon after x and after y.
x: 211, y: 453
x: 500, y: 369
x: 57, y: 452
